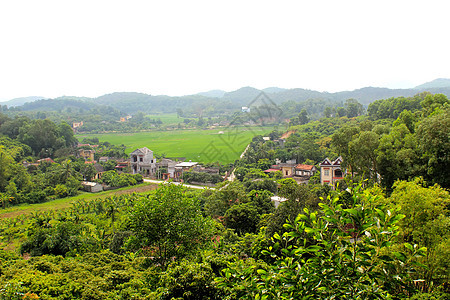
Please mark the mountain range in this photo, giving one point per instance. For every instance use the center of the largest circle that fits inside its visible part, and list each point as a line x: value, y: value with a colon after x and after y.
x: 131, y: 102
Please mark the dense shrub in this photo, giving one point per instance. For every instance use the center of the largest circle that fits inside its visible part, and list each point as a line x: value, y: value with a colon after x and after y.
x: 201, y: 177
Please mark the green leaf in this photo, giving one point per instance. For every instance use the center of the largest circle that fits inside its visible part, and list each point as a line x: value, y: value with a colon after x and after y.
x: 288, y: 226
x: 408, y: 246
x: 400, y: 256
x: 351, y: 211
x: 313, y: 248
x: 309, y: 230
x: 380, y: 213
x: 386, y: 258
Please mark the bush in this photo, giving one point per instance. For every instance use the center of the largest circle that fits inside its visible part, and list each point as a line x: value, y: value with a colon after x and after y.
x: 201, y: 177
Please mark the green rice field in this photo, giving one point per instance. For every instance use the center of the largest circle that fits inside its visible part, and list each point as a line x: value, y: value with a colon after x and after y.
x: 167, y: 118
x: 224, y: 145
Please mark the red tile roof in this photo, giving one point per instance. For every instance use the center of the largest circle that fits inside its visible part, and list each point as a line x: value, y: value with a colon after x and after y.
x: 304, y: 167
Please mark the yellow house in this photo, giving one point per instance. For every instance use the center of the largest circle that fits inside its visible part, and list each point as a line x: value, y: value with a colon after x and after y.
x: 331, y: 171
x: 86, y: 154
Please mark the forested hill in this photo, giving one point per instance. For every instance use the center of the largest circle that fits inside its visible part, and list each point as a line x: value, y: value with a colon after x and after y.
x: 218, y: 102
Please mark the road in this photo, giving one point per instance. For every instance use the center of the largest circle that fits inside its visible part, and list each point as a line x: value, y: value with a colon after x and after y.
x: 178, y: 183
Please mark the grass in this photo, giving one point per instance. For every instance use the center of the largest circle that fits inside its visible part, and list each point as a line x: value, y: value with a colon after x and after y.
x: 201, y: 145
x: 62, y: 203
x: 167, y: 119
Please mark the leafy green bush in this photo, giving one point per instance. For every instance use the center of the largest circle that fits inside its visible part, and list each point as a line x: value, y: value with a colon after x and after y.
x: 349, y: 258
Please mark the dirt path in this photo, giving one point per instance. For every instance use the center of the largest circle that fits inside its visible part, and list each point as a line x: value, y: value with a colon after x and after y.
x: 287, y: 134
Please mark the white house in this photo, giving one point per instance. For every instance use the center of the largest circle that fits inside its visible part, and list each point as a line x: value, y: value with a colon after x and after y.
x: 143, y: 162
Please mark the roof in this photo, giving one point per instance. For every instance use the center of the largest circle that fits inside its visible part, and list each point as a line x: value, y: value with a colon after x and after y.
x: 99, y: 168
x: 46, y: 159
x: 143, y: 150
x: 337, y: 161
x: 288, y: 165
x: 271, y: 170
x: 89, y: 183
x: 304, y: 167
x: 328, y: 162
x: 186, y: 164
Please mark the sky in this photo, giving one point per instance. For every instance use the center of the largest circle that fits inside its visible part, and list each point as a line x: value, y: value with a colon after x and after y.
x: 95, y: 47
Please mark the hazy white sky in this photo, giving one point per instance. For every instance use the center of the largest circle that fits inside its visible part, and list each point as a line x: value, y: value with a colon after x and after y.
x: 90, y: 48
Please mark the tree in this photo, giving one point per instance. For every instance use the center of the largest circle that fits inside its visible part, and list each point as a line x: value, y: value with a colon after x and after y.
x: 341, y: 111
x: 303, y: 117
x: 397, y: 156
x: 353, y: 108
x: 42, y: 136
x: 227, y: 195
x: 341, y: 141
x: 5, y: 169
x: 66, y: 133
x: 242, y: 217
x: 363, y: 149
x: 434, y: 142
x: 426, y: 223
x: 88, y: 171
x: 328, y: 112
x: 169, y: 223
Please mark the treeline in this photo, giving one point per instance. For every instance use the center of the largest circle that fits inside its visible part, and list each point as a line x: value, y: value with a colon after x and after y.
x: 415, y: 144
x: 43, y: 138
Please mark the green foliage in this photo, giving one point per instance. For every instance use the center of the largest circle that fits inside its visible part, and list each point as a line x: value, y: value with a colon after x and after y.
x: 434, y: 141
x: 242, y: 217
x: 391, y: 108
x: 201, y: 177
x: 227, y: 195
x: 427, y: 223
x: 168, y: 224
x: 188, y: 280
x: 344, y: 262
x: 114, y: 179
x: 58, y: 239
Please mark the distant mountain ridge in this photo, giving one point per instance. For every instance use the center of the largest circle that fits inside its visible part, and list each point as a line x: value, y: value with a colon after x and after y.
x: 132, y: 102
x: 213, y: 94
x: 21, y: 101
x: 437, y: 83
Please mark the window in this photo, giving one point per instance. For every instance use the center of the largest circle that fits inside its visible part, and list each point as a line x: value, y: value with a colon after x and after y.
x: 141, y: 159
x: 326, y: 172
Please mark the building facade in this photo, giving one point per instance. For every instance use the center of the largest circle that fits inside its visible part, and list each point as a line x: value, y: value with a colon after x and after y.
x: 143, y: 162
x: 331, y: 171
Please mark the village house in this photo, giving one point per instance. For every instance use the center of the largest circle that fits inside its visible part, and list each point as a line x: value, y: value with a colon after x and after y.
x: 331, y: 171
x: 166, y: 168
x: 122, y: 166
x: 183, y: 167
x: 99, y: 170
x: 299, y: 172
x: 143, y: 162
x: 77, y: 124
x: 103, y: 159
x: 88, y: 155
x: 304, y: 170
x: 92, y: 187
